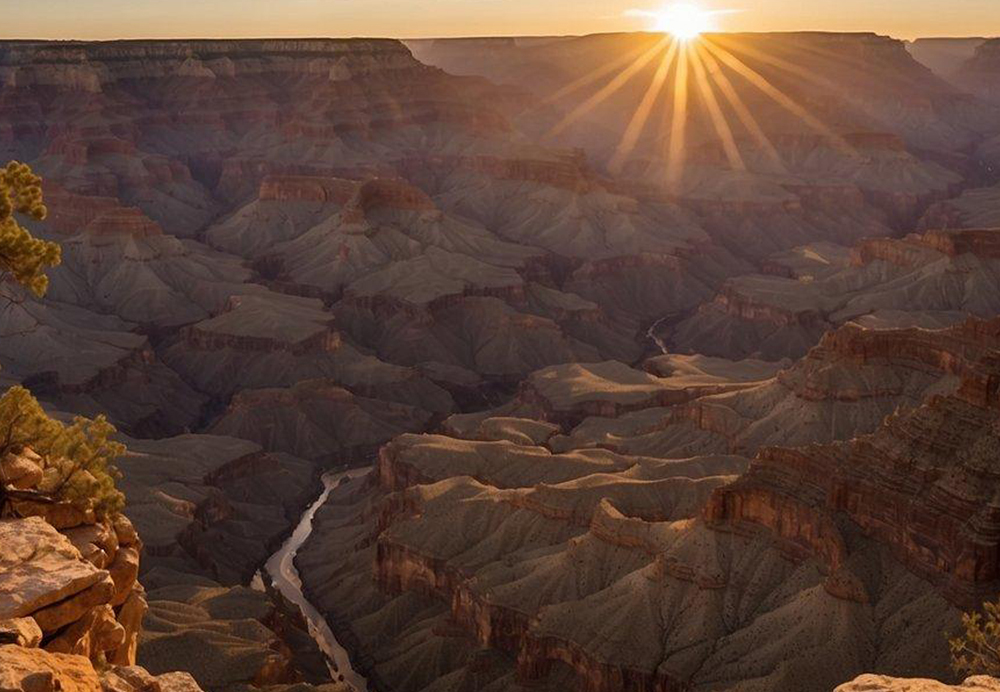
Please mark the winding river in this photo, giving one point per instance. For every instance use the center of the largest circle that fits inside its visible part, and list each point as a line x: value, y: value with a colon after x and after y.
x: 281, y: 568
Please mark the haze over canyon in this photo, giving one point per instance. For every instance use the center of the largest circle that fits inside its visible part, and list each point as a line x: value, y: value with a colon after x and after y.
x: 625, y: 362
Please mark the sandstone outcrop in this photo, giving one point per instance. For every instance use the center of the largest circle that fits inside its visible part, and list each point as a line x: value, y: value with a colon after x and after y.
x: 882, y: 683
x: 33, y: 670
x: 71, y: 605
x: 73, y: 583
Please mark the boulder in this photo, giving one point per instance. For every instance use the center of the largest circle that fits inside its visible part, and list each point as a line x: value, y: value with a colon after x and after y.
x: 34, y: 670
x: 74, y: 608
x: 41, y: 568
x: 20, y: 631
x: 130, y: 616
x: 21, y: 471
x: 98, y: 543
x: 124, y: 572
x: 92, y: 635
x: 882, y: 683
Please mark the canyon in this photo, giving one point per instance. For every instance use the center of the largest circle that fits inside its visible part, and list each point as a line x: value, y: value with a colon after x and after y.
x: 638, y: 419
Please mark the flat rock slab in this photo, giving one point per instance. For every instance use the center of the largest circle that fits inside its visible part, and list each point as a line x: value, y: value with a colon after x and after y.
x: 39, y: 567
x: 34, y: 670
x: 882, y: 683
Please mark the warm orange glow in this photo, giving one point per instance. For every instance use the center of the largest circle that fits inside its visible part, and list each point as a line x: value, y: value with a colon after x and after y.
x: 683, y: 21
x: 742, y: 111
x: 698, y: 80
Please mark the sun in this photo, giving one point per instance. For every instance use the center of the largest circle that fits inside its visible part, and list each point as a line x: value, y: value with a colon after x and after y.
x: 684, y: 21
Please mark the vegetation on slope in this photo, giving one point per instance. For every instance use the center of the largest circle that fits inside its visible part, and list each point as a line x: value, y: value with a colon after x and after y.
x: 977, y: 650
x: 76, y: 459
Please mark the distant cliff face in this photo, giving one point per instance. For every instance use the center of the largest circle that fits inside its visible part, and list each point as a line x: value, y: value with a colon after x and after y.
x: 981, y: 73
x: 944, y: 55
x: 93, y: 67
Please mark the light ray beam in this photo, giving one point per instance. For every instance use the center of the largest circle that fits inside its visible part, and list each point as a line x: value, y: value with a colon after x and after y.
x: 777, y: 95
x: 740, y: 107
x: 608, y: 90
x: 677, y: 149
x: 638, y: 122
x: 715, y: 112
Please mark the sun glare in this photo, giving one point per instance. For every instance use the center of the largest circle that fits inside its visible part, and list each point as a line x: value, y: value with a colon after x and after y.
x: 683, y: 21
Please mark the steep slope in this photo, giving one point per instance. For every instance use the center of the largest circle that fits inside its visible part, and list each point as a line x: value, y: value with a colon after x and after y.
x: 573, y: 562
x: 980, y: 74
x: 944, y: 55
x: 928, y: 279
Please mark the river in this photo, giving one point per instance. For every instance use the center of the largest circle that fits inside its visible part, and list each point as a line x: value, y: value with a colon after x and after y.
x: 281, y: 568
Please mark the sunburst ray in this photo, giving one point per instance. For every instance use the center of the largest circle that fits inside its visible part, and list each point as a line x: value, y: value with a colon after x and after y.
x: 638, y: 123
x: 677, y: 148
x: 719, y: 121
x: 609, y: 89
x: 777, y: 95
x: 588, y: 79
x: 739, y: 107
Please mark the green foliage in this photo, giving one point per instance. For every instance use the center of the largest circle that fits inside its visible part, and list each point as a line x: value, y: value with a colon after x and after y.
x: 977, y: 651
x: 76, y: 458
x: 22, y: 256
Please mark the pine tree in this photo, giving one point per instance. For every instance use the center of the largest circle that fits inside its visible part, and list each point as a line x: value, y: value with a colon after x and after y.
x: 76, y: 459
x: 22, y: 256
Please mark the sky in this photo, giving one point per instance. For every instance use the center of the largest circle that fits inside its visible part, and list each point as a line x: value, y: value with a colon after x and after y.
x: 107, y: 19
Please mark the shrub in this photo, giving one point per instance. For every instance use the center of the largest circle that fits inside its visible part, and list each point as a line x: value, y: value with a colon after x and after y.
x: 977, y: 650
x: 76, y: 458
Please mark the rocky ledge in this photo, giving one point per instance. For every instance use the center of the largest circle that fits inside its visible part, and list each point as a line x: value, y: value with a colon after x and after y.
x: 882, y: 683
x: 70, y: 601
x: 24, y: 669
x: 70, y: 574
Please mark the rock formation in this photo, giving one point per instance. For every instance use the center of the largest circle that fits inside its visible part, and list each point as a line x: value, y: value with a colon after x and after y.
x: 981, y: 72
x: 71, y: 605
x: 933, y: 278
x: 573, y: 530
x: 881, y: 683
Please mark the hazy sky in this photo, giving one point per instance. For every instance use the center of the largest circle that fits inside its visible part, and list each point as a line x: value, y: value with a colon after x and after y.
x: 415, y: 18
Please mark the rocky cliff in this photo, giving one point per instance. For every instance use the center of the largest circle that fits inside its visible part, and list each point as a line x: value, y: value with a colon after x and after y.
x: 981, y: 72
x: 70, y: 600
x: 926, y: 279
x: 920, y: 484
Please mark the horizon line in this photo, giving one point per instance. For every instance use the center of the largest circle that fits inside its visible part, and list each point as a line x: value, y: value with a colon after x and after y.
x: 482, y: 37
